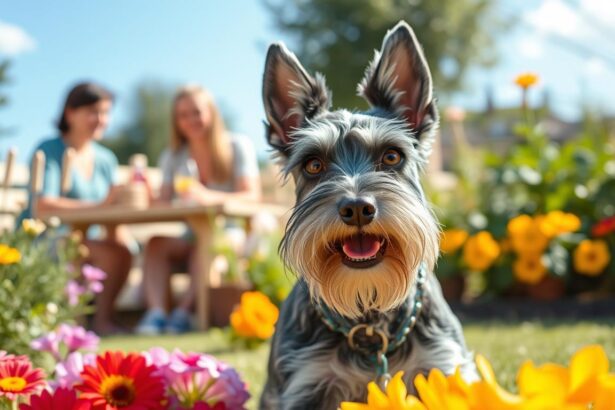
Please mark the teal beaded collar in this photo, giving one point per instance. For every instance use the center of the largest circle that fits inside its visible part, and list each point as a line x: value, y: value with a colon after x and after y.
x: 383, y: 345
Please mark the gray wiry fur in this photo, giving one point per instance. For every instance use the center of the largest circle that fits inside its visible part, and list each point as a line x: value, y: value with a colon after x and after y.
x: 312, y: 367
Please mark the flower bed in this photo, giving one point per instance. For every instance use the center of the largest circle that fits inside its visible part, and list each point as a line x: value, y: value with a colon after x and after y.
x: 154, y: 379
x: 537, y: 220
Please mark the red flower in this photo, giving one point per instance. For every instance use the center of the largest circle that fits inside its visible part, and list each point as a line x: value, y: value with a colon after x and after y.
x: 62, y: 398
x: 604, y: 227
x: 204, y: 406
x: 17, y: 377
x: 122, y: 381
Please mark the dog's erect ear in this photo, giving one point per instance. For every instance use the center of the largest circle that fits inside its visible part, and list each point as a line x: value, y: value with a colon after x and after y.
x: 398, y: 80
x: 290, y: 95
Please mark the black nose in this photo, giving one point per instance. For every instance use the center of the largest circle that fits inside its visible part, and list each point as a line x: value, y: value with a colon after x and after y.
x: 357, y: 211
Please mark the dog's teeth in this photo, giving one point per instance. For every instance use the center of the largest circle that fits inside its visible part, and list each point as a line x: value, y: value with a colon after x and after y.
x: 361, y: 259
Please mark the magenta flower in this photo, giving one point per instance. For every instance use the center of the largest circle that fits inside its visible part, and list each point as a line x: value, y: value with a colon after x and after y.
x: 74, y: 290
x: 193, y: 362
x: 95, y: 287
x: 49, y: 343
x: 191, y: 387
x: 76, y: 337
x: 157, y: 356
x: 161, y: 359
x: 229, y: 388
x: 68, y: 372
x: 94, y: 277
x: 204, y: 406
x: 93, y: 274
x: 198, y: 381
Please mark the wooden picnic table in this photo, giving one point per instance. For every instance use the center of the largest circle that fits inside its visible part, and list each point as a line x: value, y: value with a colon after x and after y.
x: 199, y: 217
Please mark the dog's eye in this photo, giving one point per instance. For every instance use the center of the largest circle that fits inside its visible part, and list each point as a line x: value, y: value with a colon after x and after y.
x: 313, y: 166
x: 391, y: 157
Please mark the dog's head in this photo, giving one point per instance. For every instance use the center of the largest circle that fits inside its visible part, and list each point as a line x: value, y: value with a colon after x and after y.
x: 361, y: 225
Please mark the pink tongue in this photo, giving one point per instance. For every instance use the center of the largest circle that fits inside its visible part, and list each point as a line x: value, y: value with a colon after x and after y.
x: 361, y: 246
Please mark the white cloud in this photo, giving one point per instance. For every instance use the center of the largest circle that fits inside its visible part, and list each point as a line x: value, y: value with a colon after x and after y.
x: 531, y: 47
x: 595, y: 67
x: 555, y: 17
x: 602, y: 10
x: 14, y: 40
x: 583, y: 20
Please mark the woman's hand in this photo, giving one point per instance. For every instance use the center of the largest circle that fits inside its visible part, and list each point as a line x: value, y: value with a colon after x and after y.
x: 112, y: 196
x: 201, y: 194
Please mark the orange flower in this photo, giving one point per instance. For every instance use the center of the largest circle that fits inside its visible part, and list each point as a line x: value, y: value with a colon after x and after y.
x: 557, y: 223
x: 526, y: 80
x: 529, y: 269
x: 526, y: 235
x: 255, y: 317
x: 452, y: 239
x: 480, y: 251
x: 591, y: 257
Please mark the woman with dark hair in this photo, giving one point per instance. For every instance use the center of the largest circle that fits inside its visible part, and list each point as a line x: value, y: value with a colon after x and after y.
x: 82, y: 123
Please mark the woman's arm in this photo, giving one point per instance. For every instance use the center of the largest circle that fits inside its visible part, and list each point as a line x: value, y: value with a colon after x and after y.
x: 50, y: 204
x: 166, y: 193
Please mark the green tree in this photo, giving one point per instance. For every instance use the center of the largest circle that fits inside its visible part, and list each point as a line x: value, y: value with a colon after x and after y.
x: 148, y: 131
x: 4, y: 67
x: 337, y: 37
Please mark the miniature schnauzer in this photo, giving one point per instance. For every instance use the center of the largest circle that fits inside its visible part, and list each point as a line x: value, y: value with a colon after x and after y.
x: 361, y: 236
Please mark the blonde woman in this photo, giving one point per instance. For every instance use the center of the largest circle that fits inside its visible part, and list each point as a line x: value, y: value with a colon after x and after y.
x: 223, y: 166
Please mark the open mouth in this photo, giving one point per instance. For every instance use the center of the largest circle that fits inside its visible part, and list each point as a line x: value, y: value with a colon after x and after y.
x: 361, y: 250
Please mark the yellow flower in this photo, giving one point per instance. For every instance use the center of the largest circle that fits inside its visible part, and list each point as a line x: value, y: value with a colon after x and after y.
x: 452, y: 239
x: 255, y: 317
x: 529, y: 269
x: 480, y: 251
x: 591, y: 257
x: 395, y: 398
x: 33, y: 227
x: 488, y: 394
x: 584, y: 383
x: 526, y: 80
x: 440, y: 392
x: 557, y: 223
x: 9, y: 255
x: 526, y: 235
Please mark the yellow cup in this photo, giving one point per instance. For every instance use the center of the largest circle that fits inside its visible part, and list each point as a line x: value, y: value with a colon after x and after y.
x: 182, y: 184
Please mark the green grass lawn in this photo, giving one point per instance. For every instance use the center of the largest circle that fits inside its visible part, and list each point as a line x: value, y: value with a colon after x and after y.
x: 505, y: 345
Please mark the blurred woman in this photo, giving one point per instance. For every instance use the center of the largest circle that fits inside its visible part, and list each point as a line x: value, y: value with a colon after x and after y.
x: 206, y: 164
x: 83, y: 121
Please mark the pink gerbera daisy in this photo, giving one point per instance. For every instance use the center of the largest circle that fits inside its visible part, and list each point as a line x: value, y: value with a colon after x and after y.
x: 18, y: 378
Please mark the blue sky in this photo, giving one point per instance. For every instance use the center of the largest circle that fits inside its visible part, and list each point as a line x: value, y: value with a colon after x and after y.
x: 222, y: 46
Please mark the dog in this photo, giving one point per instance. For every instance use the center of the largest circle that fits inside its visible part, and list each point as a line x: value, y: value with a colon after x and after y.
x: 361, y: 237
